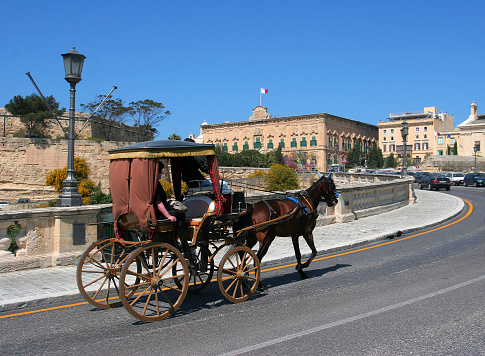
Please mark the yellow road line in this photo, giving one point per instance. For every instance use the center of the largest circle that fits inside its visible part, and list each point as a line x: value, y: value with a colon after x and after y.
x: 280, y: 267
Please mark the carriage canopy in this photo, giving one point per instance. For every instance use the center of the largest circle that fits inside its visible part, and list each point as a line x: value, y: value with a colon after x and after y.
x: 133, y: 176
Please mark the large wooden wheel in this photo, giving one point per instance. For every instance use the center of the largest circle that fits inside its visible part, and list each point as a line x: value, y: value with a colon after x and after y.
x: 98, y: 272
x: 239, y: 274
x: 157, y: 295
x: 199, y: 277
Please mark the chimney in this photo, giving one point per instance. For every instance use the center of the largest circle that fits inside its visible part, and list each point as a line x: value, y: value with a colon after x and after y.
x: 473, y: 109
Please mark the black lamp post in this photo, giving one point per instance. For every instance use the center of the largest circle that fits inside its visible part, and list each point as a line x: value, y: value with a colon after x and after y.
x: 475, y: 149
x: 73, y: 65
x: 404, y: 134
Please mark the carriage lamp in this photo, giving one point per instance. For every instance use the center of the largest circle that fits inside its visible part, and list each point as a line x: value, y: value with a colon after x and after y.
x: 73, y: 66
x: 404, y: 134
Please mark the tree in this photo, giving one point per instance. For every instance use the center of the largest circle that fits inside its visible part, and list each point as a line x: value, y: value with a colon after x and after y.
x: 146, y: 114
x: 375, y: 159
x: 113, y: 111
x: 391, y: 161
x: 354, y: 157
x: 281, y: 177
x: 174, y: 137
x: 455, y: 148
x: 33, y: 113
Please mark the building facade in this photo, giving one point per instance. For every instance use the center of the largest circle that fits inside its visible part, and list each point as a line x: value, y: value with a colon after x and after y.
x: 472, y: 133
x: 313, y: 141
x: 428, y: 133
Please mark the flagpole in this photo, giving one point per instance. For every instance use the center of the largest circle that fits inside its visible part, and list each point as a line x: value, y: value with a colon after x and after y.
x: 260, y: 94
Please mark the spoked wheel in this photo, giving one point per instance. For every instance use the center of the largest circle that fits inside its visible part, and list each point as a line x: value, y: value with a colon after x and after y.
x: 98, y: 272
x: 199, y: 277
x: 157, y: 295
x: 239, y: 274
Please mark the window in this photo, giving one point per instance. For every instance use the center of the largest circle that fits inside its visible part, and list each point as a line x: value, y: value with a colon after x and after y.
x: 330, y: 141
x: 270, y: 144
x: 425, y: 146
x: 425, y: 136
x: 417, y: 129
x: 384, y: 148
x: 313, y: 142
x: 384, y: 138
x: 303, y: 142
x: 224, y: 148
x: 246, y: 146
x: 282, y: 143
x: 477, y: 144
x: 257, y: 143
x: 417, y: 146
x: 440, y: 152
x: 384, y: 131
x: 293, y: 142
x: 335, y: 142
x: 349, y: 145
x: 425, y: 129
x: 392, y: 130
x: 392, y: 147
x: 453, y: 141
x: 417, y: 137
x: 440, y: 140
x: 392, y: 138
x: 234, y: 147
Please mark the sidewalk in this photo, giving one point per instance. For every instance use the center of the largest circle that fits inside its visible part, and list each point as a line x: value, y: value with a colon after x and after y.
x: 38, y: 287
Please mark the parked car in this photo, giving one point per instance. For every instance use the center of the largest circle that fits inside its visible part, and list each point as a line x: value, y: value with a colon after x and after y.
x: 23, y: 201
x: 435, y: 181
x: 456, y: 177
x: 2, y: 203
x: 476, y: 179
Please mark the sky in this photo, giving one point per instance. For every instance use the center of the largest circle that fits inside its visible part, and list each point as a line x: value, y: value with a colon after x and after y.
x: 207, y: 60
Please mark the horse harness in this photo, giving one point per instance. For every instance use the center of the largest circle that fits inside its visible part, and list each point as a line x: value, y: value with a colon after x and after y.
x: 300, y: 206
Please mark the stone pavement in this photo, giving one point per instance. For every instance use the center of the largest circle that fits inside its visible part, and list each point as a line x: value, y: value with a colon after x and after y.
x: 38, y: 287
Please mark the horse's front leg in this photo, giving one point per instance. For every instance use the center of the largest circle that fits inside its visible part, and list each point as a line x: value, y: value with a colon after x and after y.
x: 309, y: 240
x: 296, y: 247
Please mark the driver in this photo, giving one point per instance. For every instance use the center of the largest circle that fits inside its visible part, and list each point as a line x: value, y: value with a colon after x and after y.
x: 191, y: 167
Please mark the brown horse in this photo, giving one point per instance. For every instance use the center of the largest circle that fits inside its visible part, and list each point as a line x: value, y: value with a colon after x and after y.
x: 293, y: 216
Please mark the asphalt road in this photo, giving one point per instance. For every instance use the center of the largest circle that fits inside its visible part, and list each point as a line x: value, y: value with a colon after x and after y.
x: 422, y: 293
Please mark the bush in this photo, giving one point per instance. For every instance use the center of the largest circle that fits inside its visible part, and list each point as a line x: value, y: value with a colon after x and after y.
x: 281, y: 177
x: 98, y: 197
x: 258, y: 173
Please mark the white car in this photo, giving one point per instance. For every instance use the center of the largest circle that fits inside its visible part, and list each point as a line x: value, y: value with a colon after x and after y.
x: 2, y: 203
x: 455, y: 177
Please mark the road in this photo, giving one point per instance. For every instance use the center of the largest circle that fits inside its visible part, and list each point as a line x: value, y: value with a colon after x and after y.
x: 422, y: 293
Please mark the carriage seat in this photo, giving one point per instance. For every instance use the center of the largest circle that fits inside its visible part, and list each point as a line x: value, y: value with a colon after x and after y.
x: 197, y: 207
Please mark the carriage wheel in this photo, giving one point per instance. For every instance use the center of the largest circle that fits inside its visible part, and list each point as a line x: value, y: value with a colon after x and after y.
x: 200, y: 277
x: 239, y: 274
x: 157, y: 295
x: 98, y: 273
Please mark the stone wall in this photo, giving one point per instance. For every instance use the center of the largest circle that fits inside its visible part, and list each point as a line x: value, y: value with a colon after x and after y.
x: 454, y: 164
x: 24, y: 163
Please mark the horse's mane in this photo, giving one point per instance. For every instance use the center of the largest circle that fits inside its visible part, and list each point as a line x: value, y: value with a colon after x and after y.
x: 316, y: 190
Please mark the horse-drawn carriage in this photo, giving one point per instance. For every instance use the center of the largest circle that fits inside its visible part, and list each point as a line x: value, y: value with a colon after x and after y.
x: 150, y: 265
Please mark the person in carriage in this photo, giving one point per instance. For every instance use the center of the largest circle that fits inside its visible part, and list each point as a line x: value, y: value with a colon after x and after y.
x: 190, y: 169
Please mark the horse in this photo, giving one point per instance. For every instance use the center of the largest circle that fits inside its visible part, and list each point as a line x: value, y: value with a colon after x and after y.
x: 294, y: 215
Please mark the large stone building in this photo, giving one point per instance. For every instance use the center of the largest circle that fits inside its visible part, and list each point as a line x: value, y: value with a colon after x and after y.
x: 430, y: 133
x: 424, y: 130
x: 315, y: 140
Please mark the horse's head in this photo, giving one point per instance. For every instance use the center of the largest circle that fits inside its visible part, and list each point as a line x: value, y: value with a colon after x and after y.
x: 324, y: 189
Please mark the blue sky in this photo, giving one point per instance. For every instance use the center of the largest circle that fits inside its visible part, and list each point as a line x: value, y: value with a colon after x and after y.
x: 207, y: 60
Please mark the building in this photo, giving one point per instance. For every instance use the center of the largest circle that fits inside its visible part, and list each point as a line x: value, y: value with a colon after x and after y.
x: 428, y: 133
x: 472, y: 133
x: 96, y: 127
x: 313, y: 141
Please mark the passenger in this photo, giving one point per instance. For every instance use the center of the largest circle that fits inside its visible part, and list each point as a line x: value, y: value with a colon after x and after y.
x: 191, y: 167
x: 164, y: 209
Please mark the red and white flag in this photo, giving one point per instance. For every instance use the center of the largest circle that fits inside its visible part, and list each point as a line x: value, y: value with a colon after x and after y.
x: 264, y: 91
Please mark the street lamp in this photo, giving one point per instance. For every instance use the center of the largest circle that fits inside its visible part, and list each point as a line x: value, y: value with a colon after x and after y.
x: 404, y: 134
x: 73, y: 65
x: 475, y: 149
